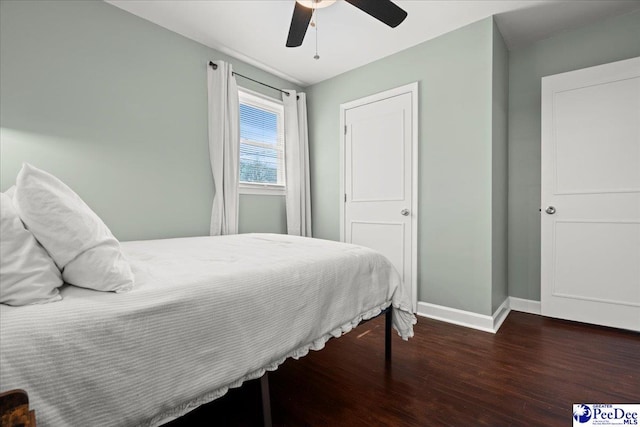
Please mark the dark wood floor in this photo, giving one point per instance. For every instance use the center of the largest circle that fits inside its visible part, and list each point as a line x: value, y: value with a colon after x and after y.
x: 528, y: 374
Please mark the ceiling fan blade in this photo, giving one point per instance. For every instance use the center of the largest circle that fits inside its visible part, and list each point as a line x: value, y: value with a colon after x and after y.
x: 383, y: 10
x: 299, y: 24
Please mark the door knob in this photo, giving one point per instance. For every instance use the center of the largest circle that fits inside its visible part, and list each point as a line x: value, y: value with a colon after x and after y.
x: 550, y: 210
x: 405, y: 212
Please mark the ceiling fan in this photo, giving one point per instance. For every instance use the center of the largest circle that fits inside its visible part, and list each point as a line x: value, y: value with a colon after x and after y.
x: 383, y: 10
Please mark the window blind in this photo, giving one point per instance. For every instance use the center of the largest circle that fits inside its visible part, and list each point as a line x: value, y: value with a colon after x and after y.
x: 261, y: 142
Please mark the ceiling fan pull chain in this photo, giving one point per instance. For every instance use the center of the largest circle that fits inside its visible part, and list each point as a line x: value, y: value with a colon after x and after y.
x: 315, y: 12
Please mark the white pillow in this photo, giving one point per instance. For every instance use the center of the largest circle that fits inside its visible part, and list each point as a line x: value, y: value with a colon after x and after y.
x: 27, y: 274
x: 76, y: 238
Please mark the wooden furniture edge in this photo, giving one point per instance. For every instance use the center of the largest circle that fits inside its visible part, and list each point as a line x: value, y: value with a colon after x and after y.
x: 14, y: 409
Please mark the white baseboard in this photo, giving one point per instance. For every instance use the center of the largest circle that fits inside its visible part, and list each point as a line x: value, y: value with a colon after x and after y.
x: 525, y: 305
x: 475, y: 320
x: 465, y: 318
x: 500, y: 315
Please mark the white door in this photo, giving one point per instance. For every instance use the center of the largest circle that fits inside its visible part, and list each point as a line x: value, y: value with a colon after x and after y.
x: 379, y: 181
x: 591, y: 195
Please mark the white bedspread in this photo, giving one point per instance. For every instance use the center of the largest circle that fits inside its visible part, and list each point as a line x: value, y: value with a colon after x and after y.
x: 206, y: 314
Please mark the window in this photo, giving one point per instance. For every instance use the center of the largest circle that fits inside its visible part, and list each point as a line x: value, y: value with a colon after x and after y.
x: 261, y: 144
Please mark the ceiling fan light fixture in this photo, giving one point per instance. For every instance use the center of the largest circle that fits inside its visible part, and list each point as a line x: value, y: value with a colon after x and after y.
x: 385, y: 11
x: 316, y: 4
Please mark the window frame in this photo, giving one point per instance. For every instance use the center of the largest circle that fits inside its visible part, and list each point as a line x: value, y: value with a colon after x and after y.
x: 264, y: 102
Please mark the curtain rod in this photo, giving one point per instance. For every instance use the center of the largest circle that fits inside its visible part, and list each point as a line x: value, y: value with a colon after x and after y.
x: 215, y: 67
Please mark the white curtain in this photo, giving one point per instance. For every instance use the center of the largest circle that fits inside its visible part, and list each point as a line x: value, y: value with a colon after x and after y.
x: 296, y: 146
x: 224, y: 142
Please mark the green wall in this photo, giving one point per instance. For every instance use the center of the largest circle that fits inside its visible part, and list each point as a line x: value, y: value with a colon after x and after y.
x: 117, y: 108
x: 262, y: 214
x: 499, y: 169
x: 607, y: 41
x: 454, y: 72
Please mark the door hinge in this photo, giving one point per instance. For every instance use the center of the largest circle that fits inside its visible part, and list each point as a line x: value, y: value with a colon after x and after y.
x: 345, y: 129
x: 345, y: 197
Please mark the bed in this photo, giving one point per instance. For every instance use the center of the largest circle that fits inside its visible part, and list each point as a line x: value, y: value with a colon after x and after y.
x: 205, y: 315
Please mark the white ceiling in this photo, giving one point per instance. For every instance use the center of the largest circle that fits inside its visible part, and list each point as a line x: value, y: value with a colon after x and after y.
x: 255, y: 31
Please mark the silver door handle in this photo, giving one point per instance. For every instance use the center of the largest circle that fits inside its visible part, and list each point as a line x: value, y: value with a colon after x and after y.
x: 405, y: 212
x: 550, y: 210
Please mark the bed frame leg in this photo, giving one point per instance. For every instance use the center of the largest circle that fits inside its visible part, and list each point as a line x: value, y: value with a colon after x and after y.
x: 266, y: 400
x: 387, y: 336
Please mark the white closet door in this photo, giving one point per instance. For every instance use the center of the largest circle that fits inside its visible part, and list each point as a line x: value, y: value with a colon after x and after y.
x: 379, y: 209
x: 591, y: 195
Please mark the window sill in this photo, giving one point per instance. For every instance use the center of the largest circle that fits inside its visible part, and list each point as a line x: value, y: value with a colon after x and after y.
x: 262, y: 189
